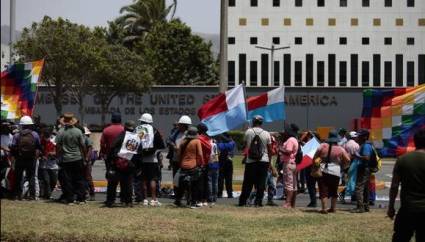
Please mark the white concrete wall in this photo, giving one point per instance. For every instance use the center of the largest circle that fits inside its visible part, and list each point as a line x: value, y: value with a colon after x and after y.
x: 343, y: 28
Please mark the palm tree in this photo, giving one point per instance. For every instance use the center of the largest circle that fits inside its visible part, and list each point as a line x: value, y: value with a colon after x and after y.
x: 139, y: 17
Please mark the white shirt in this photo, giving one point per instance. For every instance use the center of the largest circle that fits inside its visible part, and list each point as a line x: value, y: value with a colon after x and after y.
x: 265, y: 140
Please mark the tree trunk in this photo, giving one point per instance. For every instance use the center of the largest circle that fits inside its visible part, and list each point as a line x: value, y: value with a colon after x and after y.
x: 58, y: 97
x: 58, y: 105
x: 81, y: 108
x: 103, y: 114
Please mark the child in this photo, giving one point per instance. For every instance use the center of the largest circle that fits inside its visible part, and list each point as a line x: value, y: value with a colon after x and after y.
x: 48, y: 165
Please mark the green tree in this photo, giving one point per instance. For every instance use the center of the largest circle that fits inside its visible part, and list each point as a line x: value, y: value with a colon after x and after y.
x: 117, y: 72
x: 85, y: 56
x: 52, y: 40
x: 176, y: 56
x: 139, y: 17
x: 80, y: 61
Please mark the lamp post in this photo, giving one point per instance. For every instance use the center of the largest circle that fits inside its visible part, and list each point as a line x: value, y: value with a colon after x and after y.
x: 223, y: 82
x: 12, y: 29
x: 272, y: 50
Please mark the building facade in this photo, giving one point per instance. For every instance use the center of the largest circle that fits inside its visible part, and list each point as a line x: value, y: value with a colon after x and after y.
x: 333, y: 43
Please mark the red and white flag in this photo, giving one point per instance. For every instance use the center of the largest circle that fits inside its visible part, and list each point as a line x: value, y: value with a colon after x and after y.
x: 309, y: 149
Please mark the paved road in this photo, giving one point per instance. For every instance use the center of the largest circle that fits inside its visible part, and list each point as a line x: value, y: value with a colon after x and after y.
x: 302, y: 199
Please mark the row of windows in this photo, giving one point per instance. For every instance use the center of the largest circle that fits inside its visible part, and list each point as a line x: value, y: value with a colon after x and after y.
x: 321, y: 41
x: 331, y: 22
x: 321, y: 3
x: 343, y: 77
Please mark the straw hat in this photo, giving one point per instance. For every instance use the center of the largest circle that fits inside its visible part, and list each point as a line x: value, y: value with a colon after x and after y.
x: 68, y: 119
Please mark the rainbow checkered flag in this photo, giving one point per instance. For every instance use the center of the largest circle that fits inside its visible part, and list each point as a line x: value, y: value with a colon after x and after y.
x: 18, y: 89
x: 393, y: 116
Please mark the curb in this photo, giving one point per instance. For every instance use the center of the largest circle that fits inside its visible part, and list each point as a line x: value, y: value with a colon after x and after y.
x: 380, y: 185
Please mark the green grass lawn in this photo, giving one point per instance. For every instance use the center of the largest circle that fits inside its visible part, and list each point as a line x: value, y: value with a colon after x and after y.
x: 40, y: 221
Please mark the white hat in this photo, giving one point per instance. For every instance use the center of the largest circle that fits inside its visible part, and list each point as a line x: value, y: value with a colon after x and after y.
x: 147, y: 118
x: 86, y: 131
x: 26, y: 120
x: 185, y: 120
x: 353, y: 134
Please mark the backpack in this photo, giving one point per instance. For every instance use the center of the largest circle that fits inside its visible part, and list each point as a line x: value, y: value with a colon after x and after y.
x: 374, y: 162
x: 256, y: 149
x: 26, y: 145
x: 299, y: 155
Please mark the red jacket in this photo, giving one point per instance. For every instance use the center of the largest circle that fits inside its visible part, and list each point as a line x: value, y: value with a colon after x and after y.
x: 206, y: 149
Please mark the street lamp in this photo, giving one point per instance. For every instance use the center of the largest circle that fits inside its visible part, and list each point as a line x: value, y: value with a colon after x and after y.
x: 272, y: 50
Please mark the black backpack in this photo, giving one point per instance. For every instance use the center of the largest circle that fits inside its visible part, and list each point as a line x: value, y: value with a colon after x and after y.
x: 299, y: 155
x: 374, y: 161
x: 256, y: 148
x: 26, y: 145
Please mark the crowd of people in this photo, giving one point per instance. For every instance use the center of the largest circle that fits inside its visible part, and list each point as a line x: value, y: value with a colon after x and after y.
x: 36, y: 157
x: 39, y: 158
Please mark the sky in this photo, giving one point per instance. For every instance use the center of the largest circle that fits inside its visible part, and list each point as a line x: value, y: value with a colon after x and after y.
x: 201, y: 15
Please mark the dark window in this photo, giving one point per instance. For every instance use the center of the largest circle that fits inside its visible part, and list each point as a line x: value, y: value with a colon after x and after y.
x: 388, y: 3
x: 298, y: 40
x: 232, y: 3
x: 264, y: 70
x: 287, y: 69
x: 276, y: 3
x: 410, y: 73
x: 399, y: 70
x: 253, y: 40
x: 343, y: 40
x: 276, y: 40
x: 298, y: 73
x: 354, y: 59
x: 331, y: 70
x: 410, y: 41
x: 365, y: 3
x: 231, y: 40
x: 365, y: 41
x: 231, y: 69
x: 388, y: 69
x: 298, y: 3
x: 253, y: 73
x: 421, y: 69
x: 309, y: 70
x: 343, y: 3
x: 365, y: 73
x: 320, y: 40
x: 320, y: 3
x: 242, y: 68
x: 254, y: 3
x: 276, y: 73
x: 320, y: 73
x: 343, y: 73
x: 388, y: 41
x: 410, y: 3
x: 376, y: 70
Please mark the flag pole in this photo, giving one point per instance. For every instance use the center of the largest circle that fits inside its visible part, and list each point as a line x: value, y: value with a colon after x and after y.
x: 246, y: 104
x: 36, y: 86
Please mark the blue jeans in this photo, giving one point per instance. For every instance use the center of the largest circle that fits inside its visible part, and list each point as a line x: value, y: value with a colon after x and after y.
x: 212, y: 184
x: 271, y: 186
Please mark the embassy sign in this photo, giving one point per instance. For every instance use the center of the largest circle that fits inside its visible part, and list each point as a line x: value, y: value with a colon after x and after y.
x: 308, y: 107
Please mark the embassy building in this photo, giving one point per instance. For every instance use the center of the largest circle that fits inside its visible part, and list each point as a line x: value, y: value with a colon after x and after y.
x: 333, y: 43
x: 337, y: 48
